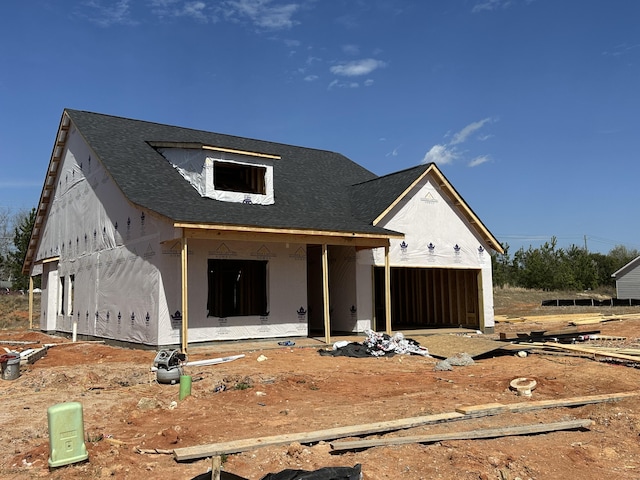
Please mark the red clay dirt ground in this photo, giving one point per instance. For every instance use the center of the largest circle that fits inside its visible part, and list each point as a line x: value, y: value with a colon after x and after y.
x: 297, y: 390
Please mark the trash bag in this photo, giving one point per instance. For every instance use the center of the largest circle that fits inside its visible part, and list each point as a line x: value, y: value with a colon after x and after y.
x: 326, y: 473
x: 223, y: 476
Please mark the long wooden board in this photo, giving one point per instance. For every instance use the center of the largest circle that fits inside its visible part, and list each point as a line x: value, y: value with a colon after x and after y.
x: 592, y: 351
x: 235, y: 446
x: 488, y: 409
x: 469, y: 435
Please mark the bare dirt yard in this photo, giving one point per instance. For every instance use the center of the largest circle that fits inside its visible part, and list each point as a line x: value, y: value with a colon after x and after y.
x: 133, y: 424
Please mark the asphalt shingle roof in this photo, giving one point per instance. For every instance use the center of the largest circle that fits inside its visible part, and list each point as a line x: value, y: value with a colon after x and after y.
x: 313, y: 189
x: 369, y: 199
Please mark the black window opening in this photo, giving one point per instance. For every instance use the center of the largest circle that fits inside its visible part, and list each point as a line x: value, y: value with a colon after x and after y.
x: 237, y: 288
x: 234, y: 177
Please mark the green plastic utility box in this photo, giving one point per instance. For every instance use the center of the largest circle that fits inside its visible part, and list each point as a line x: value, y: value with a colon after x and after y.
x: 66, y: 434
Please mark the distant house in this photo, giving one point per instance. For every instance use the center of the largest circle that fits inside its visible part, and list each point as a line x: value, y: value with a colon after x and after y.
x: 160, y: 235
x: 628, y: 280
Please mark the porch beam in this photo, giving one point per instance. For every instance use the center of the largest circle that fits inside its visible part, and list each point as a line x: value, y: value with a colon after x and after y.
x: 325, y: 293
x: 216, y: 232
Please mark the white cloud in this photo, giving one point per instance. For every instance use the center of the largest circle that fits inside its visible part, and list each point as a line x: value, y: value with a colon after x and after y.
x: 488, y: 5
x: 112, y: 14
x: 440, y: 154
x: 196, y: 9
x: 447, y: 153
x: 351, y: 49
x: 479, y: 160
x: 339, y: 84
x: 463, y: 134
x: 263, y: 13
x: 394, y: 152
x: 310, y: 78
x: 368, y: 82
x: 357, y: 67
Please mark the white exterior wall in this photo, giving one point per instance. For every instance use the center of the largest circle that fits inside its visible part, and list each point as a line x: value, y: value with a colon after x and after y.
x: 128, y: 284
x: 364, y: 289
x: 436, y: 235
x: 112, y: 249
x: 48, y: 299
x: 287, y: 293
x: 343, y: 300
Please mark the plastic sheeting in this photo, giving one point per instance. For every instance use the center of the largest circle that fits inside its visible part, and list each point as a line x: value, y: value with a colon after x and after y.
x: 436, y: 235
x: 108, y: 255
x: 196, y: 166
x: 122, y: 280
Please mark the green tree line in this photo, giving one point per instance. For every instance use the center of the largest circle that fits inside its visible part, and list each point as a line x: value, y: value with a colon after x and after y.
x: 551, y: 268
x: 12, y: 254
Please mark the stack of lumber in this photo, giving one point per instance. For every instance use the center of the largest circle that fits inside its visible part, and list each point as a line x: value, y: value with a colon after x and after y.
x: 621, y: 355
x: 570, y: 318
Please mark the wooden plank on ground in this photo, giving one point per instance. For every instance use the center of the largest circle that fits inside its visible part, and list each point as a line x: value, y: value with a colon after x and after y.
x: 236, y: 446
x: 592, y: 351
x: 569, y: 402
x: 483, y: 410
x: 592, y: 321
x: 561, y: 317
x: 488, y: 409
x: 469, y: 435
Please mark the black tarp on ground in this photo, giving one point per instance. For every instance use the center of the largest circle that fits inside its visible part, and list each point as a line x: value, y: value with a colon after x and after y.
x: 326, y: 473
x: 223, y: 476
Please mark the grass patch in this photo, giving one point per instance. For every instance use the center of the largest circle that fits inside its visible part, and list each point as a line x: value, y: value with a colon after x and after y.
x: 14, y: 311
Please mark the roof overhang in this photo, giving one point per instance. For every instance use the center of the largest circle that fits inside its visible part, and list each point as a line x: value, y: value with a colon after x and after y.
x: 48, y: 190
x: 302, y: 236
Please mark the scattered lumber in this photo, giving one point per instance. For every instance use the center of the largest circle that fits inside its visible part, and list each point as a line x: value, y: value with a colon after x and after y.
x: 32, y: 355
x: 468, y: 435
x: 488, y: 409
x: 236, y: 446
x: 593, y: 351
x: 604, y: 318
x: 562, y: 317
x: 567, y: 334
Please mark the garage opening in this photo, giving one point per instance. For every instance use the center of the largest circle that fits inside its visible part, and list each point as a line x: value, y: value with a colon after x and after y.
x: 423, y: 298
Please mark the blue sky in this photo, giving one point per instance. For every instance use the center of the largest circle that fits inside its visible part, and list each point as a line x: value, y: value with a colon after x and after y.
x: 529, y: 107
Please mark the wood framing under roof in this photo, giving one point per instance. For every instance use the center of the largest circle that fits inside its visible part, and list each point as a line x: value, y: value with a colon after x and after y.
x: 200, y: 146
x: 226, y: 232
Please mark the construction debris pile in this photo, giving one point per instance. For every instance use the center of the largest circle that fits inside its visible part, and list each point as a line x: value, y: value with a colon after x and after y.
x: 377, y: 345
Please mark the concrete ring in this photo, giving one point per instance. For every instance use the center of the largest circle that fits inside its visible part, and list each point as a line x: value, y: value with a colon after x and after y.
x: 523, y: 385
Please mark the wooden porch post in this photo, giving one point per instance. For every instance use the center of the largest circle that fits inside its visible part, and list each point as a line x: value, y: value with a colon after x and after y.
x: 387, y: 289
x: 185, y: 296
x: 30, y: 302
x: 325, y: 293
